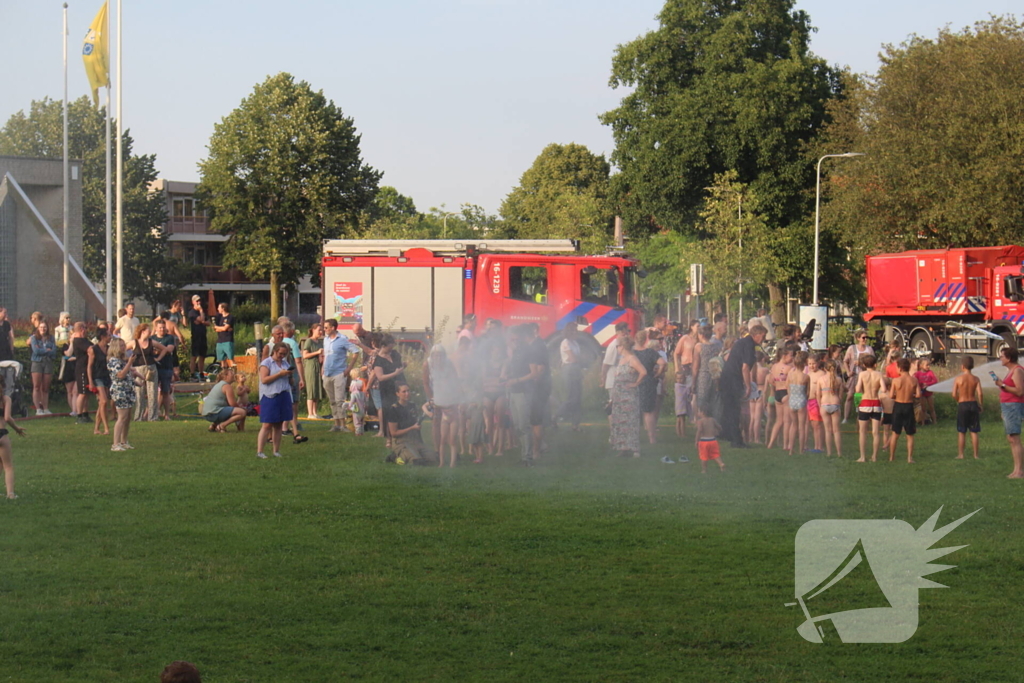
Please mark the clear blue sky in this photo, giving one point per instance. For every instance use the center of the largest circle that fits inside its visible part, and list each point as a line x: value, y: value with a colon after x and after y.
x: 454, y: 98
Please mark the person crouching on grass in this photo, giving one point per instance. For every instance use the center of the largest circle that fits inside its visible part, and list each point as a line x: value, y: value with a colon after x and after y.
x: 275, y: 398
x: 706, y: 441
x: 221, y: 407
x: 904, y: 390
x: 968, y: 396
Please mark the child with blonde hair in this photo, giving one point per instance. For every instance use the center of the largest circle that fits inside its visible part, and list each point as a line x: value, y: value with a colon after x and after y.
x: 356, y: 404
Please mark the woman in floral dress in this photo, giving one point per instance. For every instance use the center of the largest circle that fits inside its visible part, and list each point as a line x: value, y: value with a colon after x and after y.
x: 122, y: 392
x: 625, y: 422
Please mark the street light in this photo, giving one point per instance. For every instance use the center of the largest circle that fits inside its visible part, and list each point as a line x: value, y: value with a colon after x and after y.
x: 444, y: 222
x: 817, y: 210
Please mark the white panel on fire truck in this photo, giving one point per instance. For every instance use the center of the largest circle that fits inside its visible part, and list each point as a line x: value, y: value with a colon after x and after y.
x: 402, y: 298
x: 348, y: 295
x: 448, y: 283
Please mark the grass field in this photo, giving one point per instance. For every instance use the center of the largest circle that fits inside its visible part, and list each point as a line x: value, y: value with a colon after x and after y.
x: 329, y: 565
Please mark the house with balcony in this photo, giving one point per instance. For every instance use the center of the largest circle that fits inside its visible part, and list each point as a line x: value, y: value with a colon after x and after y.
x: 190, y: 239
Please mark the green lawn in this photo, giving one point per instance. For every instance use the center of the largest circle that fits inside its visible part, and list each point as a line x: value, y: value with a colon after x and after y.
x: 330, y: 565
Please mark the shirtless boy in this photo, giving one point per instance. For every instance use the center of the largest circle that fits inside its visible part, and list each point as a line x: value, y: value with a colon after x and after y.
x: 706, y: 441
x: 967, y: 394
x: 905, y: 389
x: 869, y: 384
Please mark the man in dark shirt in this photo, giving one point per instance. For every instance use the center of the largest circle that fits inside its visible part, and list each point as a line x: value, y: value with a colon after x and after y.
x: 407, y: 447
x: 540, y: 363
x: 224, y: 323
x: 735, y: 383
x: 165, y: 364
x: 522, y: 373
x: 197, y: 324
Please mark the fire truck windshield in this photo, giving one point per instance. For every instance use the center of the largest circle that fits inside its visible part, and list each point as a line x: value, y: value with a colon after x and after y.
x: 600, y: 286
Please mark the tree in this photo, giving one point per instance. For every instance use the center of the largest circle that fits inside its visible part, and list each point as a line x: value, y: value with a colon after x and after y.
x: 720, y: 85
x: 942, y: 126
x: 283, y: 174
x: 149, y: 272
x: 564, y: 194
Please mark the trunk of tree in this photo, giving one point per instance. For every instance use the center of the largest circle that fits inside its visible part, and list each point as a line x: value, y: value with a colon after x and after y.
x: 275, y: 298
x: 777, y: 308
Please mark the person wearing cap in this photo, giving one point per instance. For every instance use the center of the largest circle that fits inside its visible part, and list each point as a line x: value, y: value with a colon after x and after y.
x: 197, y: 324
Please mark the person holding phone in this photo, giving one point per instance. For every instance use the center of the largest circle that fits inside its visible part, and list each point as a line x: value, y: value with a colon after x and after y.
x: 1011, y: 401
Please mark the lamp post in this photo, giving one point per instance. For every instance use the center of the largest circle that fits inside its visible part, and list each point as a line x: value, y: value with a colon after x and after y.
x: 817, y: 211
x: 444, y: 224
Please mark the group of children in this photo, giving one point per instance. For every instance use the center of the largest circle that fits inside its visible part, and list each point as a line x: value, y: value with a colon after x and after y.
x: 797, y: 400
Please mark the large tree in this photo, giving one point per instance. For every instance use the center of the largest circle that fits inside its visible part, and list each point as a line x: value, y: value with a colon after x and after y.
x: 942, y: 126
x: 564, y: 194
x: 284, y: 173
x: 720, y: 85
x: 149, y: 272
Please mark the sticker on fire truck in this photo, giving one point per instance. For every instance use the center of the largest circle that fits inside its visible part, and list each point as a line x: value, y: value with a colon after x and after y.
x: 348, y: 302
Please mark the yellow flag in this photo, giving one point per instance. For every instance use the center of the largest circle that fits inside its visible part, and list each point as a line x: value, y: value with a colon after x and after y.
x: 96, y: 54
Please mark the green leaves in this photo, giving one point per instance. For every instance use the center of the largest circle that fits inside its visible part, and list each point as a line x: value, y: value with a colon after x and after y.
x: 564, y: 194
x: 283, y: 174
x: 942, y: 124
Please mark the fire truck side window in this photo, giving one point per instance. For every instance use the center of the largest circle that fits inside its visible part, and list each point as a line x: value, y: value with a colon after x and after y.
x: 528, y: 283
x: 1013, y: 288
x: 601, y: 287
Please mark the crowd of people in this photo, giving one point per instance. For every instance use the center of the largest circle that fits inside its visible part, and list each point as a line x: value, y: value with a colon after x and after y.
x: 493, y: 390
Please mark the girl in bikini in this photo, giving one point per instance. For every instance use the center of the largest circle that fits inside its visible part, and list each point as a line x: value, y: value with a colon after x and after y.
x: 827, y: 390
x: 778, y: 377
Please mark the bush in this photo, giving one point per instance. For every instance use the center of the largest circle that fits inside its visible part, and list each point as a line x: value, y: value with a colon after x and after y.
x: 249, y: 313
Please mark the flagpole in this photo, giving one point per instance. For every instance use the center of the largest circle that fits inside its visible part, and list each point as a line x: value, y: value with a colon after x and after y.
x: 120, y: 169
x: 106, y: 192
x: 67, y: 211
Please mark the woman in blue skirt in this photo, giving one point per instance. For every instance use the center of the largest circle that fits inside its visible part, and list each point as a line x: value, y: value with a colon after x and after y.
x: 275, y: 398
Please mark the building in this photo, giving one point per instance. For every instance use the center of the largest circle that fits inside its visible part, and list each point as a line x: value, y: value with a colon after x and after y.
x: 31, y: 240
x: 192, y: 241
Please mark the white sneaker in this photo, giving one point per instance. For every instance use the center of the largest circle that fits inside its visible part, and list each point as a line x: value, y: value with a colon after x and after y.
x: 40, y: 412
x: 117, y: 447
x: 276, y: 454
x: 261, y: 455
x: 73, y: 414
x: 127, y: 446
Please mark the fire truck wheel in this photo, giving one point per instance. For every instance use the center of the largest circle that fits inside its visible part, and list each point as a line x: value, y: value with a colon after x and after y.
x: 1008, y: 339
x: 921, y: 344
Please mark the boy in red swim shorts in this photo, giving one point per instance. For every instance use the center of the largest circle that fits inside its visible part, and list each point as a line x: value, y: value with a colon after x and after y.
x: 707, y: 441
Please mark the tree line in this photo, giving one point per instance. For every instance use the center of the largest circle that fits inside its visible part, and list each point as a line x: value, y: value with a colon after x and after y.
x: 716, y: 142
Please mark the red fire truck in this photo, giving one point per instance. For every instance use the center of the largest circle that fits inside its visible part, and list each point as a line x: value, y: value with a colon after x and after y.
x: 942, y: 301
x: 424, y: 289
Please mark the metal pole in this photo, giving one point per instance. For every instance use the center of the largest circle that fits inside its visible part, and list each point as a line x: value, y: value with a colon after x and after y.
x: 120, y: 166
x: 740, y: 211
x: 106, y: 193
x: 67, y: 209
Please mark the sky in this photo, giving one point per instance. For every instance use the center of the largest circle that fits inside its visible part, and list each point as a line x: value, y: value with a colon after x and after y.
x: 454, y: 99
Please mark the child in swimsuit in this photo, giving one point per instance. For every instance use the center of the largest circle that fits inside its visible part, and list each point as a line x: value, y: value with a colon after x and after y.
x: 5, y: 441
x: 798, y: 383
x: 758, y: 377
x: 779, y: 380
x: 814, y: 372
x: 707, y: 441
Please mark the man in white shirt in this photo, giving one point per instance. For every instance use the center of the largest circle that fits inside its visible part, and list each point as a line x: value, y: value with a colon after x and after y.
x: 126, y: 324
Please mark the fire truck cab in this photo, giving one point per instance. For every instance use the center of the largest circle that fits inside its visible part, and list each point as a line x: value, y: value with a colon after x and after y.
x: 425, y: 289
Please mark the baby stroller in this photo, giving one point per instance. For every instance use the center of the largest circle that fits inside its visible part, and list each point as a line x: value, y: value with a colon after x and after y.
x: 11, y: 370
